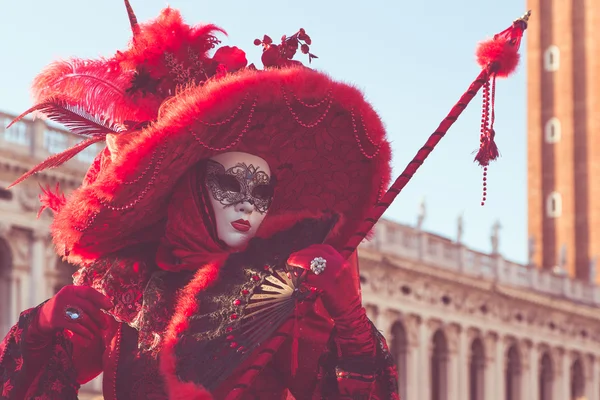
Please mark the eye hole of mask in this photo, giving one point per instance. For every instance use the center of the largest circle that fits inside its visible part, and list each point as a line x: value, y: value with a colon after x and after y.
x: 228, y: 183
x: 263, y: 192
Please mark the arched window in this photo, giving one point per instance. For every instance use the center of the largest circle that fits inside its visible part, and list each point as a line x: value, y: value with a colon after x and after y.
x: 476, y: 371
x: 552, y: 59
x: 577, y: 381
x: 5, y: 287
x: 546, y: 379
x: 554, y: 205
x: 513, y: 374
x: 399, y: 349
x: 552, y: 131
x: 439, y: 367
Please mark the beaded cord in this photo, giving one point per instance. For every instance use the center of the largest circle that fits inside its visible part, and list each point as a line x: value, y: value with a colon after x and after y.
x: 145, y: 171
x: 358, y: 141
x: 235, y: 141
x: 369, y: 138
x: 485, y: 122
x: 315, y: 105
x: 142, y: 194
x: 117, y: 354
x: 297, y: 118
x: 231, y: 117
x: 87, y: 224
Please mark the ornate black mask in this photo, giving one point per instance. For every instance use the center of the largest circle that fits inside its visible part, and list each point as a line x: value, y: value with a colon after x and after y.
x: 238, y: 184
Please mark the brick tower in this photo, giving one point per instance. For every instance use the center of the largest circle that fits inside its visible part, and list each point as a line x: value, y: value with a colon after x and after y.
x: 563, y: 75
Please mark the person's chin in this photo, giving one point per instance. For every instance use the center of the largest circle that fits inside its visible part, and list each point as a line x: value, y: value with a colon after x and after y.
x: 239, y: 240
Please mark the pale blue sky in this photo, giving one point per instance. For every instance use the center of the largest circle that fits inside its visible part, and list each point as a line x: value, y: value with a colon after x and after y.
x: 412, y: 58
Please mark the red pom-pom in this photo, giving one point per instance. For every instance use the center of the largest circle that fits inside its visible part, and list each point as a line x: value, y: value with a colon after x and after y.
x: 503, y: 54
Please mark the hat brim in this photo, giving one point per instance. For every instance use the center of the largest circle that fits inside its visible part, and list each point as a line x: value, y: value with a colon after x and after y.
x: 322, y: 140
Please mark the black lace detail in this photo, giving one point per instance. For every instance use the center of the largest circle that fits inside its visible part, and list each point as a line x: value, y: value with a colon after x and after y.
x: 230, y: 326
x: 138, y: 375
x: 238, y: 184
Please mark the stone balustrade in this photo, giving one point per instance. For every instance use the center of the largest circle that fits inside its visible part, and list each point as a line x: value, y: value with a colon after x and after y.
x: 411, y: 244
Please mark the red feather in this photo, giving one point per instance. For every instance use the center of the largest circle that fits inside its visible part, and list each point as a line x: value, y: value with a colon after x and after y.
x: 100, y: 86
x: 73, y: 117
x: 59, y: 159
x: 52, y: 200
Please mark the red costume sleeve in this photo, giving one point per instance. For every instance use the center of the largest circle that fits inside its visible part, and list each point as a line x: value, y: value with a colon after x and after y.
x: 372, y: 377
x: 326, y: 372
x: 33, y: 365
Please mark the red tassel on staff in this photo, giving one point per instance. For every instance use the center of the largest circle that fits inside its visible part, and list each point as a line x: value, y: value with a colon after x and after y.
x: 499, y: 57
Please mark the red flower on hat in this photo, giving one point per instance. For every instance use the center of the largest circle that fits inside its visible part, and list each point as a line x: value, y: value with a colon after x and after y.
x: 232, y: 58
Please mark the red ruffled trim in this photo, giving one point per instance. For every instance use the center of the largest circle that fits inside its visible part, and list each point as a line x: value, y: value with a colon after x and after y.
x: 186, y: 306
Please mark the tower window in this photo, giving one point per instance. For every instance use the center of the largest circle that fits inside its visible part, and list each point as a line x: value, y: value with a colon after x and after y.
x: 552, y: 131
x: 554, y: 205
x: 552, y: 59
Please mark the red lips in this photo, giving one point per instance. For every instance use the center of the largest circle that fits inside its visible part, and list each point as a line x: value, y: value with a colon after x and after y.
x: 241, y: 225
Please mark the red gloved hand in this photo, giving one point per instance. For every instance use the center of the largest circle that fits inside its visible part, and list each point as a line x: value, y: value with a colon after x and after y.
x: 340, y: 292
x: 336, y: 282
x: 84, y: 301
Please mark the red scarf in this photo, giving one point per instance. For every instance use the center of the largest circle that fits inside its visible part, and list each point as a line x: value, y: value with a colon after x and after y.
x: 190, y: 240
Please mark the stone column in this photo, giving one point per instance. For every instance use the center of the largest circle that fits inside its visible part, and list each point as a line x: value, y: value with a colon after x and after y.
x: 38, y: 267
x: 531, y: 371
x: 562, y: 374
x: 524, y: 389
x: 500, y: 368
x: 412, y: 324
x: 490, y: 375
x: 385, y: 321
x: 425, y: 352
x: 5, y: 285
x: 453, y: 383
x: 25, y: 302
x: 14, y: 302
x: 590, y: 365
x: 463, y: 364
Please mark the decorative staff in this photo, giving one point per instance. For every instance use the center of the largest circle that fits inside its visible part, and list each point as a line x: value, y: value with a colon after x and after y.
x: 498, y: 57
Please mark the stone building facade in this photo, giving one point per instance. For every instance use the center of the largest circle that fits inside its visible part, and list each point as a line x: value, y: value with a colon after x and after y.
x: 466, y: 325
x: 463, y: 325
x: 30, y: 271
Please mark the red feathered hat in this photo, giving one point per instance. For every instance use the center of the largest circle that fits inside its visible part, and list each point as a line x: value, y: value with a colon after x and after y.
x: 164, y: 104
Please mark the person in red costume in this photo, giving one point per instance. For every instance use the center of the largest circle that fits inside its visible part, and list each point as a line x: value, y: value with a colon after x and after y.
x: 208, y: 231
x: 215, y: 233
